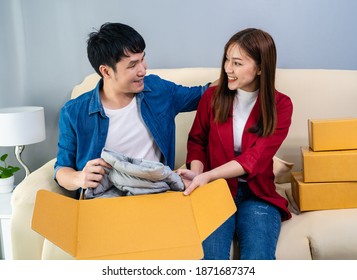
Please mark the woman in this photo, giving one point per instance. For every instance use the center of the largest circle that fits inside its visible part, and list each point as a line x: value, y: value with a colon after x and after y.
x: 239, y: 126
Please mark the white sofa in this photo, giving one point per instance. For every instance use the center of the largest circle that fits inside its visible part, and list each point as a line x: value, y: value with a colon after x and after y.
x: 329, y: 234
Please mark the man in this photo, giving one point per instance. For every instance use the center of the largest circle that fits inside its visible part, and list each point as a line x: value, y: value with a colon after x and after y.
x: 127, y: 112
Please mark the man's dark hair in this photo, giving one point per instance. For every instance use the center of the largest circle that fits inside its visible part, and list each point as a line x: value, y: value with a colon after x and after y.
x: 111, y: 43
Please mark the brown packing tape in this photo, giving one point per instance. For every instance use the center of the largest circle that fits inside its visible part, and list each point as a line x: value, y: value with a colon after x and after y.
x: 157, y: 226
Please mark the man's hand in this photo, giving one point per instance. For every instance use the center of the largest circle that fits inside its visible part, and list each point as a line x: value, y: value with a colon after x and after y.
x: 89, y: 177
x: 92, y: 173
x: 215, y: 83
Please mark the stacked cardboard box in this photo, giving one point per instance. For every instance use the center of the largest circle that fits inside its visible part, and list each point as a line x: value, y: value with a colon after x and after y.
x: 329, y: 176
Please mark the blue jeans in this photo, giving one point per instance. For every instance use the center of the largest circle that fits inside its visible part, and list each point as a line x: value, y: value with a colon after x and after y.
x: 257, y: 226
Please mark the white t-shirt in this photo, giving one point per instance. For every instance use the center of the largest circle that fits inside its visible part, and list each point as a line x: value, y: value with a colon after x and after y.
x: 128, y: 134
x: 242, y: 106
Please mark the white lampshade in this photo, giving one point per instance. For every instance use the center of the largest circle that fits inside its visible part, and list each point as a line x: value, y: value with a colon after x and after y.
x: 22, y: 125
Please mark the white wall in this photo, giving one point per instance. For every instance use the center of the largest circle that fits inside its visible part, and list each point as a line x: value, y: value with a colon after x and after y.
x: 43, y: 42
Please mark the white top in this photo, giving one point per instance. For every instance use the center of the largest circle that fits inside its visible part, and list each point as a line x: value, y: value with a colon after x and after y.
x: 242, y: 106
x: 128, y: 134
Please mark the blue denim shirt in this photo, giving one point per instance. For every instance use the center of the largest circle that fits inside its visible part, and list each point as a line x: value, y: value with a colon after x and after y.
x: 83, y: 125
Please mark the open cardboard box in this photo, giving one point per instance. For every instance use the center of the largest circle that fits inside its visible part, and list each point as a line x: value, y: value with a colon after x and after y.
x: 155, y: 226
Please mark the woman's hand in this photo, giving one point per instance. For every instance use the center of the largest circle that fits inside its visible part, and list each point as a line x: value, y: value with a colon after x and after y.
x: 193, y: 178
x: 228, y: 170
x: 197, y: 181
x: 187, y: 176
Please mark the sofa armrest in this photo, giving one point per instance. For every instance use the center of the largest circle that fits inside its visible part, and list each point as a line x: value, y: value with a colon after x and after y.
x: 40, y: 179
x: 26, y: 243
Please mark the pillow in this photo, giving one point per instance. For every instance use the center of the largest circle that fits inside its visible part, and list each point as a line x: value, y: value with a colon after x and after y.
x: 282, y: 170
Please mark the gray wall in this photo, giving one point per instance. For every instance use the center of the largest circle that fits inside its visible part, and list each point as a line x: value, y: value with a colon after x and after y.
x: 43, y: 43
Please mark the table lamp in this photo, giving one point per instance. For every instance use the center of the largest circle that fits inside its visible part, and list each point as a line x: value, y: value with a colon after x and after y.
x: 22, y: 126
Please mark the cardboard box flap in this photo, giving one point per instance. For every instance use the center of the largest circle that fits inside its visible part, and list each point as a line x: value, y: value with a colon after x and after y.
x: 156, y: 226
x: 212, y: 204
x: 58, y: 219
x: 146, y: 223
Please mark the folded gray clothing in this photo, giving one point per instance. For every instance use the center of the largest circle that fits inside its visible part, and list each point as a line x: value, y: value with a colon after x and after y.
x: 132, y: 176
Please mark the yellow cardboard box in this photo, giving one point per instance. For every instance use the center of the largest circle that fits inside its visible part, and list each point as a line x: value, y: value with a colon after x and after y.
x: 329, y: 166
x: 323, y: 196
x: 332, y: 134
x: 156, y: 226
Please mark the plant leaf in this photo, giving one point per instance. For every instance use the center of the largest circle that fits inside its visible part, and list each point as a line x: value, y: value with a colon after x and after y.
x: 6, y: 174
x: 13, y: 169
x: 3, y: 157
x: 7, y: 171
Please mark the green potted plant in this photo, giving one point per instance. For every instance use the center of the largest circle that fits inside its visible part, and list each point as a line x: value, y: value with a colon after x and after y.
x: 7, y: 175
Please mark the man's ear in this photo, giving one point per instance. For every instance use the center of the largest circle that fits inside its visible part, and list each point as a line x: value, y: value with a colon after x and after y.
x: 105, y: 70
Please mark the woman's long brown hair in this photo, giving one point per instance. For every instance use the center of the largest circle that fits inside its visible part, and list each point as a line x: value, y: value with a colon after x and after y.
x: 260, y: 46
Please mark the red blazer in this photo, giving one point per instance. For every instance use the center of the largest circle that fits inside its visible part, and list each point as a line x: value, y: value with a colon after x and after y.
x: 212, y: 144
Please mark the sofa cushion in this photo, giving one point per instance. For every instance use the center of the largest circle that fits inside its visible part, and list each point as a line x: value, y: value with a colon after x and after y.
x: 282, y: 170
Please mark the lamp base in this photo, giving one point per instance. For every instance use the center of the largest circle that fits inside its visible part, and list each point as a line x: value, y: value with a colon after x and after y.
x: 18, y: 152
